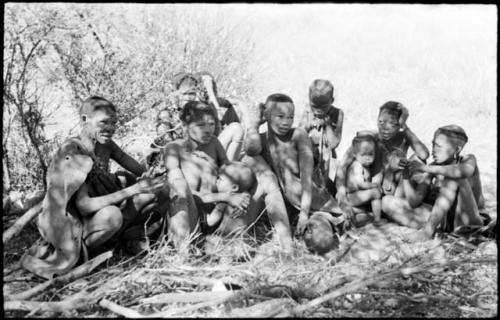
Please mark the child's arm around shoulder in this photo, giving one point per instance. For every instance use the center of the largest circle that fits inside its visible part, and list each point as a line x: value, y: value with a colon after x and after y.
x: 125, y: 160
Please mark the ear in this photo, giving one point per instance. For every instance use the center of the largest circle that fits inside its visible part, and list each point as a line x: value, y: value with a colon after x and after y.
x: 458, y: 149
x: 235, y: 187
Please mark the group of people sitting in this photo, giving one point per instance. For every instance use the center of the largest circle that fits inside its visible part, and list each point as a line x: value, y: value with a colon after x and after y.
x: 215, y: 168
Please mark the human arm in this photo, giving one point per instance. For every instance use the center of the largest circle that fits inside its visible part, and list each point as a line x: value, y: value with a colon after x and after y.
x: 355, y: 177
x: 237, y: 200
x: 420, y: 149
x: 252, y: 120
x: 334, y: 133
x: 415, y: 194
x: 125, y: 160
x: 464, y: 169
x: 87, y: 205
x: 305, y: 157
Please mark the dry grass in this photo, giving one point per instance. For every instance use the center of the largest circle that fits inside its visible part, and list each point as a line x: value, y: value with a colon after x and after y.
x: 434, y: 278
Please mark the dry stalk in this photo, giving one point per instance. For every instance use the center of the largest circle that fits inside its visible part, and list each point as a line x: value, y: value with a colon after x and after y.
x: 76, y: 273
x: 116, y: 308
x: 188, y: 297
x: 21, y: 222
x: 371, y: 279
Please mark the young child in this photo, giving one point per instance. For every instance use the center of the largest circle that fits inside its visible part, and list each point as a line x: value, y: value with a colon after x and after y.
x: 362, y: 188
x: 393, y: 134
x: 323, y: 122
x: 234, y: 177
x: 289, y: 153
x: 448, y: 196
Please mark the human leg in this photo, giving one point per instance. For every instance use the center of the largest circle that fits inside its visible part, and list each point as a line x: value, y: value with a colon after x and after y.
x: 268, y: 188
x: 101, y: 226
x: 361, y: 197
x: 231, y: 139
x: 400, y: 211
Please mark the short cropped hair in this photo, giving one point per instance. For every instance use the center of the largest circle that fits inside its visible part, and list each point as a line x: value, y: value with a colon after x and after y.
x: 95, y: 103
x: 194, y: 111
x: 356, y: 141
x: 393, y: 108
x: 456, y: 134
x: 242, y: 175
x: 320, y: 93
x: 274, y: 99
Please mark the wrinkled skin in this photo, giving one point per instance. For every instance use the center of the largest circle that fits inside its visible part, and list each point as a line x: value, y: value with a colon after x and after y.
x: 57, y: 223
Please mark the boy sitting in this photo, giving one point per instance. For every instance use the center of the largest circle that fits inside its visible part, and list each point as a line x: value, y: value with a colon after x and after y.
x: 362, y: 188
x: 323, y: 122
x: 289, y: 153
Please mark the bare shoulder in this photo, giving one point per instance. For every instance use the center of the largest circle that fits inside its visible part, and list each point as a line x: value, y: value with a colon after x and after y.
x: 299, y: 133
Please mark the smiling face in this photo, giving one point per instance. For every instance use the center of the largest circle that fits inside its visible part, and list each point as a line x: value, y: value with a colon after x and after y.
x: 443, y: 149
x: 101, y: 124
x: 364, y: 153
x: 388, y: 125
x: 202, y: 130
x: 280, y: 118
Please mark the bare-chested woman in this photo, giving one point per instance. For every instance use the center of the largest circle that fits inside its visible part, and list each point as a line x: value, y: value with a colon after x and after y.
x: 192, y: 164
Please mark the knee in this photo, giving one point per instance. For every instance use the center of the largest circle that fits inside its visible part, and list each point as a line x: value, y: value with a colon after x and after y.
x: 268, y: 181
x: 387, y: 202
x: 113, y: 217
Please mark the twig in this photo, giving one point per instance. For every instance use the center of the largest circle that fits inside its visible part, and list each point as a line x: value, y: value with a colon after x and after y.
x: 187, y: 297
x: 22, y: 221
x: 371, y: 279
x: 75, y: 302
x: 76, y: 273
x: 115, y: 308
x: 232, y: 295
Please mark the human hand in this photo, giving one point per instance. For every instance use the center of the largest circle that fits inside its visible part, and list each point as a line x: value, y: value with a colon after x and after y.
x: 239, y: 200
x: 301, y: 223
x: 150, y: 185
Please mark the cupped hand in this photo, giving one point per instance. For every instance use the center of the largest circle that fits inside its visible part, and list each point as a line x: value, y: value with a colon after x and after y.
x: 239, y: 200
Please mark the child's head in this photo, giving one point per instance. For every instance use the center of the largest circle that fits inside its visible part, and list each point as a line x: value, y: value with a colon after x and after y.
x: 198, y: 119
x: 388, y: 119
x: 447, y: 143
x: 98, y: 117
x: 235, y: 177
x: 363, y: 148
x: 279, y: 113
x: 186, y: 86
x: 320, y: 94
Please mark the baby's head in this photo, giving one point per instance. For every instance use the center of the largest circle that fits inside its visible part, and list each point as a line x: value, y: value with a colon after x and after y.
x: 98, y: 117
x: 235, y: 177
x: 320, y: 97
x: 279, y: 113
x: 363, y: 148
x: 448, y: 142
x: 388, y: 119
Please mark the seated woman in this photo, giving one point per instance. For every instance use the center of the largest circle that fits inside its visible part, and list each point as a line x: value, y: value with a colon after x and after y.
x: 393, y: 136
x: 445, y: 194
x: 192, y: 165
